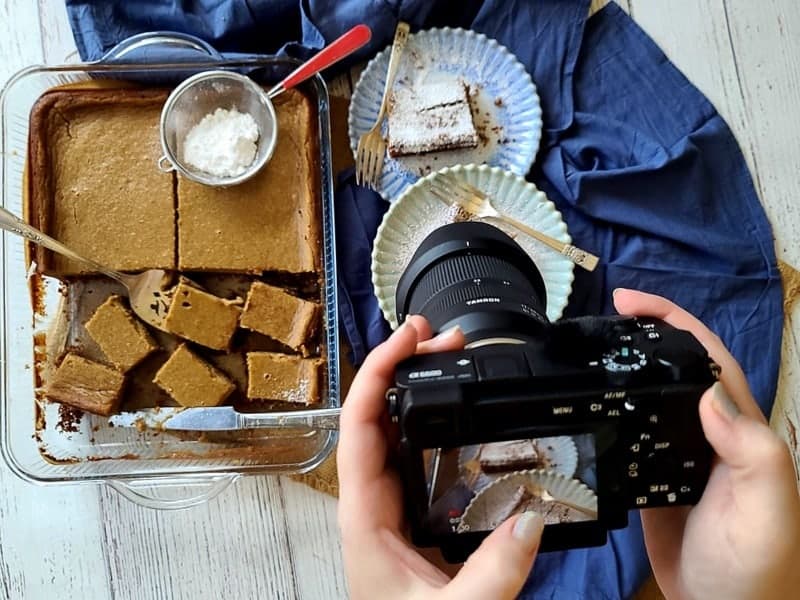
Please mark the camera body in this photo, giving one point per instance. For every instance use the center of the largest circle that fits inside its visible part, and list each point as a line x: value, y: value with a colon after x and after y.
x: 632, y: 385
x: 579, y: 420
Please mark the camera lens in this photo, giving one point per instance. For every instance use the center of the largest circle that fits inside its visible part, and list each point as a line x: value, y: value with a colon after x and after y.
x: 473, y: 275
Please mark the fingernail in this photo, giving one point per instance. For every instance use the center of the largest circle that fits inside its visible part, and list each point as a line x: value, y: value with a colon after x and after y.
x: 452, y: 331
x: 614, y: 293
x: 723, y: 403
x: 528, y: 530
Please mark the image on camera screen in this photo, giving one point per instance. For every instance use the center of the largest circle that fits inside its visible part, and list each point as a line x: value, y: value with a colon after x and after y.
x: 476, y: 488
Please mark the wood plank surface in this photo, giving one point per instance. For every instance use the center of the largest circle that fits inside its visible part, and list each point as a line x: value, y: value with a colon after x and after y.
x: 275, y: 538
x: 744, y: 57
x: 50, y: 538
x: 267, y: 536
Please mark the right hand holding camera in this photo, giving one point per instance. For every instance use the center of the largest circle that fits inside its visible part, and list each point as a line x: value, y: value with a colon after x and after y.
x: 742, y: 540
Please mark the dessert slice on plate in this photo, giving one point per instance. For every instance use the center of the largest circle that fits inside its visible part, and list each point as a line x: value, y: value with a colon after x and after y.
x: 515, y: 455
x: 431, y: 118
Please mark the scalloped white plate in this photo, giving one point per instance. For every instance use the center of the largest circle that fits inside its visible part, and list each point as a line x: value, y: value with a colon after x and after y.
x: 488, y: 506
x: 505, y: 106
x: 417, y: 213
x: 558, y: 454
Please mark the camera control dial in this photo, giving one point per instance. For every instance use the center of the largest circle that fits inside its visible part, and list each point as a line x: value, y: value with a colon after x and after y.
x: 624, y: 359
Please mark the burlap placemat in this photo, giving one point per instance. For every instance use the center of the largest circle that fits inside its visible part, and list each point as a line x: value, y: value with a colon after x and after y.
x: 791, y: 285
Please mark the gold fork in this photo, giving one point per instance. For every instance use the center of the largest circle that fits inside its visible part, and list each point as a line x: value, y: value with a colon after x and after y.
x: 371, y: 146
x: 548, y: 497
x: 477, y: 203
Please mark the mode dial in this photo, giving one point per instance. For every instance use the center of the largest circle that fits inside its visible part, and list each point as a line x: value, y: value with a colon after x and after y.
x: 624, y: 359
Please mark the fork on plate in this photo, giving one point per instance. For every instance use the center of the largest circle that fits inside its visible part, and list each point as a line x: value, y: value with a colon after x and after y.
x: 372, y: 146
x: 476, y: 203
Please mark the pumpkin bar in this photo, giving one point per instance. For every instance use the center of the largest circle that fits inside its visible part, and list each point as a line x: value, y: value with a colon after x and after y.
x: 552, y: 511
x: 202, y: 317
x: 432, y: 118
x: 191, y: 381
x: 121, y: 336
x: 508, y: 456
x: 87, y: 385
x: 284, y: 377
x: 93, y: 182
x: 269, y: 222
x: 276, y: 313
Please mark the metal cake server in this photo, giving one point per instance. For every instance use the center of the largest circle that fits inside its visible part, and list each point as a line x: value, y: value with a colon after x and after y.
x: 146, y: 293
x: 226, y: 418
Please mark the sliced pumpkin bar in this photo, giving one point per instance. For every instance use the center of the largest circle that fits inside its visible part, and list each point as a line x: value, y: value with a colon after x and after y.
x: 91, y: 181
x: 191, y: 381
x: 283, y: 377
x: 267, y: 223
x: 88, y: 385
x: 280, y: 315
x: 201, y: 317
x: 123, y: 339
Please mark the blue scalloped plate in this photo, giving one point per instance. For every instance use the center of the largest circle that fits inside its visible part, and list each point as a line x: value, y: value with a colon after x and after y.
x: 505, y: 106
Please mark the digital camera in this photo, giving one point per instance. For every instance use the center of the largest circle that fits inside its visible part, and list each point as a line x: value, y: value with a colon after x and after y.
x: 579, y: 420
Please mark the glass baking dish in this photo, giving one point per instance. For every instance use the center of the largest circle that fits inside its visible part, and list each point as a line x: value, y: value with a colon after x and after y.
x: 154, y: 468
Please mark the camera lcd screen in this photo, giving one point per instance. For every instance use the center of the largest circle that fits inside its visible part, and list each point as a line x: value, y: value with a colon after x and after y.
x: 477, y: 487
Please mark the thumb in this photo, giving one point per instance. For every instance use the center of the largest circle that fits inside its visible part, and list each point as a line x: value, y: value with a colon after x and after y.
x: 501, y: 564
x: 751, y: 450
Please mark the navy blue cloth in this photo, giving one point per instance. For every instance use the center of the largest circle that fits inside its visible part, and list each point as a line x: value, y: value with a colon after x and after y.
x: 646, y: 173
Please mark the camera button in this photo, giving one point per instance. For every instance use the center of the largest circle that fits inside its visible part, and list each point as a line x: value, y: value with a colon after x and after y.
x: 689, y: 465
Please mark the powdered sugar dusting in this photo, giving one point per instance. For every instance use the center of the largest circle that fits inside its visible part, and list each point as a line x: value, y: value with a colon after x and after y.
x: 223, y: 143
x: 436, y: 216
x: 429, y: 117
x: 484, y: 119
x: 299, y: 394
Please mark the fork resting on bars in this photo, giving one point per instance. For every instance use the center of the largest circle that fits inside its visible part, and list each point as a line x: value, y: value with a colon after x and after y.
x: 476, y: 203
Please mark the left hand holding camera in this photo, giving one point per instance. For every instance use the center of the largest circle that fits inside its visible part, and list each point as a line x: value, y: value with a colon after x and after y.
x: 378, y: 560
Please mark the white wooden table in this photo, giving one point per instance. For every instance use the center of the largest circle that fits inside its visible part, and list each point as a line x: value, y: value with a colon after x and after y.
x: 274, y: 538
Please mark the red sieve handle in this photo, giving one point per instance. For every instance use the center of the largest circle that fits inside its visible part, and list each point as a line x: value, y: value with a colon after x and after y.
x: 335, y: 51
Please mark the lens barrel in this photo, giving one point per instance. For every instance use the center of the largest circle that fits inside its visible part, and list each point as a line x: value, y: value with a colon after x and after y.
x: 473, y: 275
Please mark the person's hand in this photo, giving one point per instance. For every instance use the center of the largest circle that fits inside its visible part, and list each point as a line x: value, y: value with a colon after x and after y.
x: 742, y: 540
x: 378, y: 561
